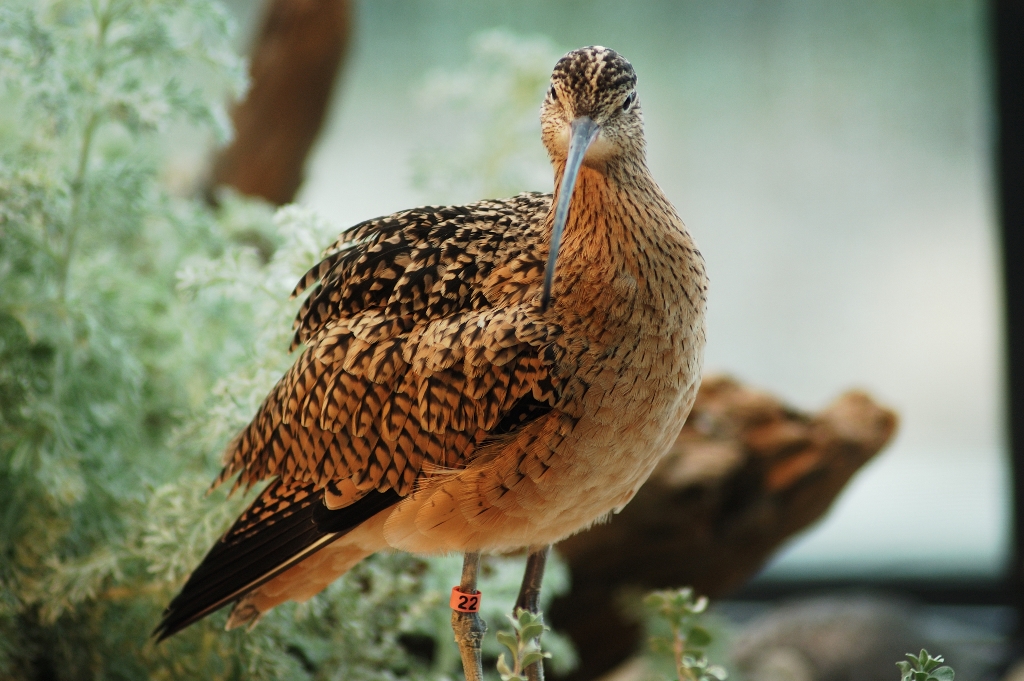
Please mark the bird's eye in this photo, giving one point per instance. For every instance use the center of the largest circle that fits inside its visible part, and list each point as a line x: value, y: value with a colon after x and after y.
x: 553, y: 94
x: 629, y: 101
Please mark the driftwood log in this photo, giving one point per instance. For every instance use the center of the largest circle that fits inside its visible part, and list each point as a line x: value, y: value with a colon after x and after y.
x: 745, y: 474
x: 294, y: 64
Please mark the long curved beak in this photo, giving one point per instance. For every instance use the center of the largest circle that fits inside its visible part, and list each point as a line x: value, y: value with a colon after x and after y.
x: 583, y: 132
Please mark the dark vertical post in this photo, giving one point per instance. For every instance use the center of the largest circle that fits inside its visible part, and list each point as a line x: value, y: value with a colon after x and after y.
x: 1008, y: 31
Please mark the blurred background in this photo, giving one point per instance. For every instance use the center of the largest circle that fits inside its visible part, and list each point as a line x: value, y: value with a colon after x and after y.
x: 836, y: 162
x: 833, y: 160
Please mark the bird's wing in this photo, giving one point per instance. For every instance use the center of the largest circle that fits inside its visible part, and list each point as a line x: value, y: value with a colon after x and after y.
x: 423, y: 343
x: 421, y: 337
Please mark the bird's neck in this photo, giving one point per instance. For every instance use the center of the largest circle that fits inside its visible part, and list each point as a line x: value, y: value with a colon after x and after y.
x: 619, y: 229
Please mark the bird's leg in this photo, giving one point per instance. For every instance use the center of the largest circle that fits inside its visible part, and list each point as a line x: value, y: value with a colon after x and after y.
x: 469, y: 627
x: 529, y: 598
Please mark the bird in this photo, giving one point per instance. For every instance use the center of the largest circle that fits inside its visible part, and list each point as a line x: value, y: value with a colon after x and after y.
x: 474, y: 378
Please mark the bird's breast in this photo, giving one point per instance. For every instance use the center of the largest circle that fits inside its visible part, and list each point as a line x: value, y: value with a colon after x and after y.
x: 629, y: 303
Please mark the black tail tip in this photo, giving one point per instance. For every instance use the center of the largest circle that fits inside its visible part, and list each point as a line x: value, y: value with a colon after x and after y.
x: 164, y: 630
x: 171, y: 623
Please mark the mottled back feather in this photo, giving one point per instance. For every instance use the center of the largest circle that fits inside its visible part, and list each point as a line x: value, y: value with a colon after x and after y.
x: 421, y: 338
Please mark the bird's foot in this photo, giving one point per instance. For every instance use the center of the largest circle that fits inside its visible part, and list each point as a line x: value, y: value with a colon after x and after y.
x: 469, y: 631
x: 467, y: 624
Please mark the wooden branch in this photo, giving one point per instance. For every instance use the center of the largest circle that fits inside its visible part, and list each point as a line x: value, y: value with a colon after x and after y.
x: 745, y: 474
x: 295, y: 63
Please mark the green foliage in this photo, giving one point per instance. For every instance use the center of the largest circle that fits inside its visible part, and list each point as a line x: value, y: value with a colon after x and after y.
x: 924, y: 667
x: 689, y: 639
x: 90, y: 325
x: 485, y: 118
x: 523, y: 643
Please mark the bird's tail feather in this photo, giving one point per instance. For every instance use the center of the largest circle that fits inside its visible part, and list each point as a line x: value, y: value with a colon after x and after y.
x: 283, y: 526
x: 308, y: 578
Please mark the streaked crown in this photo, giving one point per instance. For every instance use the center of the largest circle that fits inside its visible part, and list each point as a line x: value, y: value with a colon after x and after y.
x: 592, y: 81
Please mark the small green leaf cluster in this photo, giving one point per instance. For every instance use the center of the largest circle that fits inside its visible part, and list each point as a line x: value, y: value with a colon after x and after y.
x: 688, y: 642
x: 924, y: 667
x: 523, y: 643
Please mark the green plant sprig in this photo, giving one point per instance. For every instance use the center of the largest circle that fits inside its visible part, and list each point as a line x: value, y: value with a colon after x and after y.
x: 689, y: 639
x: 523, y: 642
x: 925, y: 667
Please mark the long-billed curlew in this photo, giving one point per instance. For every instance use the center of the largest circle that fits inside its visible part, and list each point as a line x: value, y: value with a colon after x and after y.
x: 457, y: 392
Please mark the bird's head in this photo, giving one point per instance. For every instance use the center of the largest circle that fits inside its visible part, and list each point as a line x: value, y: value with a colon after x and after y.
x: 592, y: 96
x: 590, y: 116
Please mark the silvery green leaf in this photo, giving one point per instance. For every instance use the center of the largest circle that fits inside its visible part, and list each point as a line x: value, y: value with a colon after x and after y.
x: 506, y: 672
x: 698, y: 637
x: 718, y: 672
x: 508, y: 640
x: 530, y: 658
x: 531, y: 631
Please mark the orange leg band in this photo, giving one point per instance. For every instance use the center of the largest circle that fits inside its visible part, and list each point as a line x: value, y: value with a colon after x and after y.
x: 464, y: 602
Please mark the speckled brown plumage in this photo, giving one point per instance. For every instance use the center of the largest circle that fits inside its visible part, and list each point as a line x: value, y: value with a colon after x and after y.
x: 414, y: 351
x: 439, y: 405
